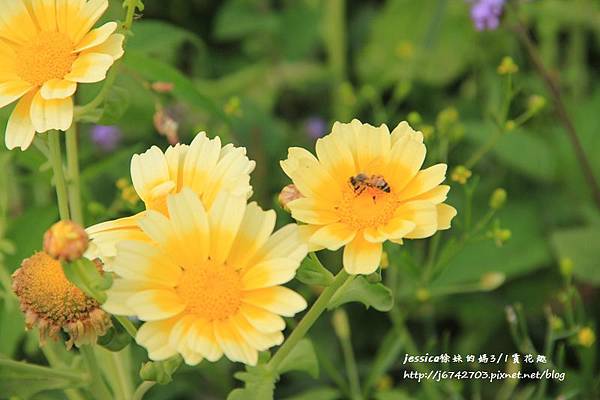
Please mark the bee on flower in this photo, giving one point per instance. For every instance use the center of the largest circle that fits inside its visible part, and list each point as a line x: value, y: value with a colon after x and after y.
x: 47, y: 48
x: 365, y: 187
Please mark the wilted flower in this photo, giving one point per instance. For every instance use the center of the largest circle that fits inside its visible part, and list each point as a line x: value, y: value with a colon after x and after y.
x: 166, y: 125
x: 65, y: 241
x: 288, y: 193
x: 50, y: 302
x: 486, y: 14
x: 106, y: 137
x: 315, y: 127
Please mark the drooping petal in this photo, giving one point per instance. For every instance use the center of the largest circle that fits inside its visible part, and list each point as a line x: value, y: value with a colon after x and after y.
x: 361, y: 256
x: 58, y: 89
x: 20, y: 130
x: 90, y: 68
x: 51, y: 114
x: 277, y: 299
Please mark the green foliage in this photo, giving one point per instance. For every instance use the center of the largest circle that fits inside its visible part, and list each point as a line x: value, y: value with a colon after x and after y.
x: 578, y: 245
x: 359, y: 289
x: 85, y: 275
x: 312, y: 272
x: 161, y: 372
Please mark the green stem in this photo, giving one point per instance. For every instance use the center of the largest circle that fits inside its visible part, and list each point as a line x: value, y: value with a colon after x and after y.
x: 55, y: 361
x: 74, y: 180
x: 123, y: 387
x: 128, y: 325
x: 59, y: 176
x: 309, y: 319
x: 97, y: 387
x: 142, y: 389
x: 351, y: 369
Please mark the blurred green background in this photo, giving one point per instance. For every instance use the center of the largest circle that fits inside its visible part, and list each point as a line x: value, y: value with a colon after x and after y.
x: 272, y: 74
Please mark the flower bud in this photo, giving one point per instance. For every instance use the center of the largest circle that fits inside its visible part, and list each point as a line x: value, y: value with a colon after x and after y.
x: 461, y: 174
x: 586, y: 337
x: 510, y: 125
x: 536, y: 103
x: 65, y: 241
x: 507, y: 66
x: 288, y: 193
x: 492, y: 280
x: 341, y: 324
x: 423, y: 294
x: 498, y: 199
x: 414, y: 118
x: 566, y: 266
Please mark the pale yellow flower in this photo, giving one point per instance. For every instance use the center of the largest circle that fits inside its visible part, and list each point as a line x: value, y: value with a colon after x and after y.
x: 47, y: 47
x: 207, y: 279
x: 364, y: 188
x: 204, y: 166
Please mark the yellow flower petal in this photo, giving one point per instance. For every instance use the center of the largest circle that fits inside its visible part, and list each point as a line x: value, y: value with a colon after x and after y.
x: 225, y: 217
x: 154, y: 336
x: 148, y: 171
x: 118, y: 294
x: 254, y: 231
x: 407, y: 156
x: 233, y: 345
x: 275, y: 271
x: 312, y: 211
x: 87, y: 17
x: 200, y: 161
x: 369, y: 145
x: 423, y: 214
x: 155, y: 304
x: 436, y: 195
x: 335, y: 155
x: 261, y: 319
x: 44, y: 12
x: 425, y: 180
x: 51, y: 114
x: 58, y: 89
x: 16, y: 24
x: 96, y: 37
x: 20, y: 130
x: 284, y: 243
x: 12, y: 90
x: 145, y: 262
x: 333, y: 236
x: 113, y: 46
x: 278, y: 299
x: 402, y: 130
x: 361, y: 256
x: 202, y: 340
x: 259, y: 340
x: 445, y: 213
x: 90, y: 68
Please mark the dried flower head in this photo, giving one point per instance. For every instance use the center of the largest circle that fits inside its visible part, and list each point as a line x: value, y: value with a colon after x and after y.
x: 52, y: 303
x: 65, y: 241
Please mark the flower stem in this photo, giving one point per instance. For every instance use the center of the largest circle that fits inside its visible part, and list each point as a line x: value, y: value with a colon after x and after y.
x: 97, y: 386
x: 73, y: 169
x: 351, y: 368
x: 127, y: 324
x: 309, y: 319
x: 142, y: 389
x: 59, y: 176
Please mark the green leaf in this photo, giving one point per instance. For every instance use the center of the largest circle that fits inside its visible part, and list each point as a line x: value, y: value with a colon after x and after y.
x: 325, y: 393
x: 359, y: 289
x: 116, y: 338
x: 578, y: 245
x: 160, y: 372
x: 84, y: 274
x: 259, y: 383
x: 312, y: 272
x: 25, y: 380
x: 240, y: 18
x: 301, y: 358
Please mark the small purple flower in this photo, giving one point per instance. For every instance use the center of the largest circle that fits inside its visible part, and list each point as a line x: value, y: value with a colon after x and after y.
x: 486, y: 14
x: 106, y: 137
x: 315, y: 127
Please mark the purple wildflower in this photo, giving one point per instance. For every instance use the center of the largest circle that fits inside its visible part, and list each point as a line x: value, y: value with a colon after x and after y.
x: 315, y: 127
x: 486, y: 14
x: 106, y: 137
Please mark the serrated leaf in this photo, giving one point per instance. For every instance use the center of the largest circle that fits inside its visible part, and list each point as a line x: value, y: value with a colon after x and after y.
x: 259, y: 383
x: 301, y: 358
x: 359, y: 289
x: 25, y: 380
x: 312, y: 272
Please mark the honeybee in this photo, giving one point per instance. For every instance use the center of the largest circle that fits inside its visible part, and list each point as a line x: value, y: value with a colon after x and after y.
x: 362, y: 181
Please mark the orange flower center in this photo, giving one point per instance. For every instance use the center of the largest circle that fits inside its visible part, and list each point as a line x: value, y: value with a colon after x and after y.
x: 212, y: 291
x: 368, y: 207
x: 41, y: 284
x: 48, y: 56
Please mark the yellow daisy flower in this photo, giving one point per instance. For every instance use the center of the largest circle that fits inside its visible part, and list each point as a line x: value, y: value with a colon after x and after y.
x: 207, y: 279
x: 364, y: 188
x: 204, y: 166
x: 47, y: 47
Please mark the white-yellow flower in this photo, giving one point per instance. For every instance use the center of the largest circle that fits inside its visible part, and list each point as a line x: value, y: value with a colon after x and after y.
x: 204, y: 166
x: 47, y: 47
x: 207, y: 279
x: 364, y: 188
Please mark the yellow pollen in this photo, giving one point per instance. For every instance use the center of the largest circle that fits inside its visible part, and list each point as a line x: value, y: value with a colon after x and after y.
x: 369, y: 209
x: 43, y: 287
x: 48, y: 56
x: 212, y: 291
